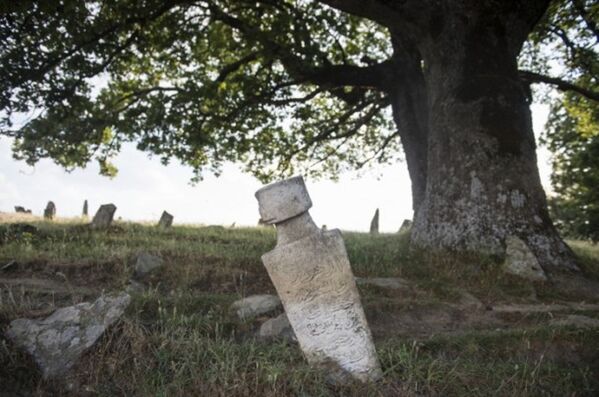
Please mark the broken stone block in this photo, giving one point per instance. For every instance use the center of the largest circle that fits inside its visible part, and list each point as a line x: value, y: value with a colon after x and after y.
x: 374, y: 224
x: 311, y: 272
x: 57, y: 342
x: 146, y: 263
x: 277, y: 328
x: 166, y: 220
x: 21, y: 210
x: 521, y: 262
x: 104, y: 216
x: 576, y: 320
x: 255, y: 305
x: 84, y: 212
x: 50, y: 211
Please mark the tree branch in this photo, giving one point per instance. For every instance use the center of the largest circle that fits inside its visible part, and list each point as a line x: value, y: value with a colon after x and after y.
x: 562, y: 85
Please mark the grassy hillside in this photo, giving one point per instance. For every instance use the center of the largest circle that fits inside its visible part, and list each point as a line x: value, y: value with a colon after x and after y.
x: 460, y: 327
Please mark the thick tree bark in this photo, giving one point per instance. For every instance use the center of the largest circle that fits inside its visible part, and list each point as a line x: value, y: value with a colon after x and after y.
x: 482, y: 178
x: 407, y: 91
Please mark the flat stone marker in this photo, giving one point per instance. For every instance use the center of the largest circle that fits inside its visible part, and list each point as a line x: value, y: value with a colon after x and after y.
x: 103, y: 217
x: 374, y: 224
x: 166, y: 220
x: 84, y: 212
x: 50, y: 211
x: 311, y: 272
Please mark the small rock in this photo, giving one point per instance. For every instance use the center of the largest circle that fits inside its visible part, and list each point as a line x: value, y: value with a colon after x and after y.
x: 470, y: 301
x: 576, y: 320
x: 385, y: 282
x: 255, y: 305
x: 104, y: 216
x: 521, y: 262
x: 134, y: 287
x: 57, y: 342
x: 146, y: 263
x: 166, y: 220
x: 276, y: 328
x: 21, y: 210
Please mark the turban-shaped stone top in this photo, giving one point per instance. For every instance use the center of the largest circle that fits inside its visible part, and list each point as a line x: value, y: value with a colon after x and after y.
x: 283, y: 200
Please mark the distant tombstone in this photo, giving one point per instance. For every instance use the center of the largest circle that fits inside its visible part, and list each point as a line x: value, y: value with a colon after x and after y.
x: 84, y: 213
x: 166, y: 220
x: 50, y: 211
x: 21, y: 210
x: 374, y: 224
x: 103, y: 217
x: 405, y: 226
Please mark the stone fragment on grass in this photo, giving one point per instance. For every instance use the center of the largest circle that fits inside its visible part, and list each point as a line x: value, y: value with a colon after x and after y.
x: 84, y: 212
x: 255, y: 305
x: 374, y: 224
x: 576, y: 320
x: 21, y: 210
x: 146, y: 263
x: 56, y: 342
x: 166, y: 220
x: 277, y: 328
x: 104, y: 216
x: 385, y: 282
x: 521, y: 262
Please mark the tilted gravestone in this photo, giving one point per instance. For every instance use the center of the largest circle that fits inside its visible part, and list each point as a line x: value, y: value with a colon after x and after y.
x: 405, y: 226
x: 374, y: 224
x: 166, y: 220
x: 84, y: 212
x: 50, y: 211
x: 312, y: 274
x: 103, y: 217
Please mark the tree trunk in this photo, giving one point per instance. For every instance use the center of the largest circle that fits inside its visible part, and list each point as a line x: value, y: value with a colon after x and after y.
x: 407, y: 91
x: 482, y: 181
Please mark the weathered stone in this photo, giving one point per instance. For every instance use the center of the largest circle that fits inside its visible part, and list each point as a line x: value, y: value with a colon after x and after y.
x: 84, y: 213
x: 50, y: 211
x: 57, y: 342
x: 255, y: 305
x: 313, y: 277
x: 385, y: 282
x: 521, y: 262
x: 134, y: 287
x: 406, y: 225
x: 374, y: 224
x: 21, y: 210
x: 104, y: 216
x: 166, y: 220
x: 277, y: 328
x: 146, y: 263
x: 576, y: 320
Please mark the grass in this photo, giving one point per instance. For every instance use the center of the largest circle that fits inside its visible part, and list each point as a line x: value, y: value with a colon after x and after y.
x: 179, y: 338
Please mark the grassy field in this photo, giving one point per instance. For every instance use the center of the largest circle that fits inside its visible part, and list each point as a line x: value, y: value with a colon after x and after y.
x: 462, y: 327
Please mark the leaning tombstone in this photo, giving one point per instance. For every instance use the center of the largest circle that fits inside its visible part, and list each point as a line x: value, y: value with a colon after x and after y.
x: 104, y: 215
x: 312, y: 274
x: 166, y: 220
x: 84, y: 212
x: 374, y: 224
x: 50, y: 211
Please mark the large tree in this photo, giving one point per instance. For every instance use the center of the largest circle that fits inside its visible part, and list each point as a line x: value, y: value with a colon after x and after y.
x: 301, y: 86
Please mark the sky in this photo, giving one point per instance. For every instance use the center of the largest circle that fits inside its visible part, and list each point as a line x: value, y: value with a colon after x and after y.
x: 144, y: 188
